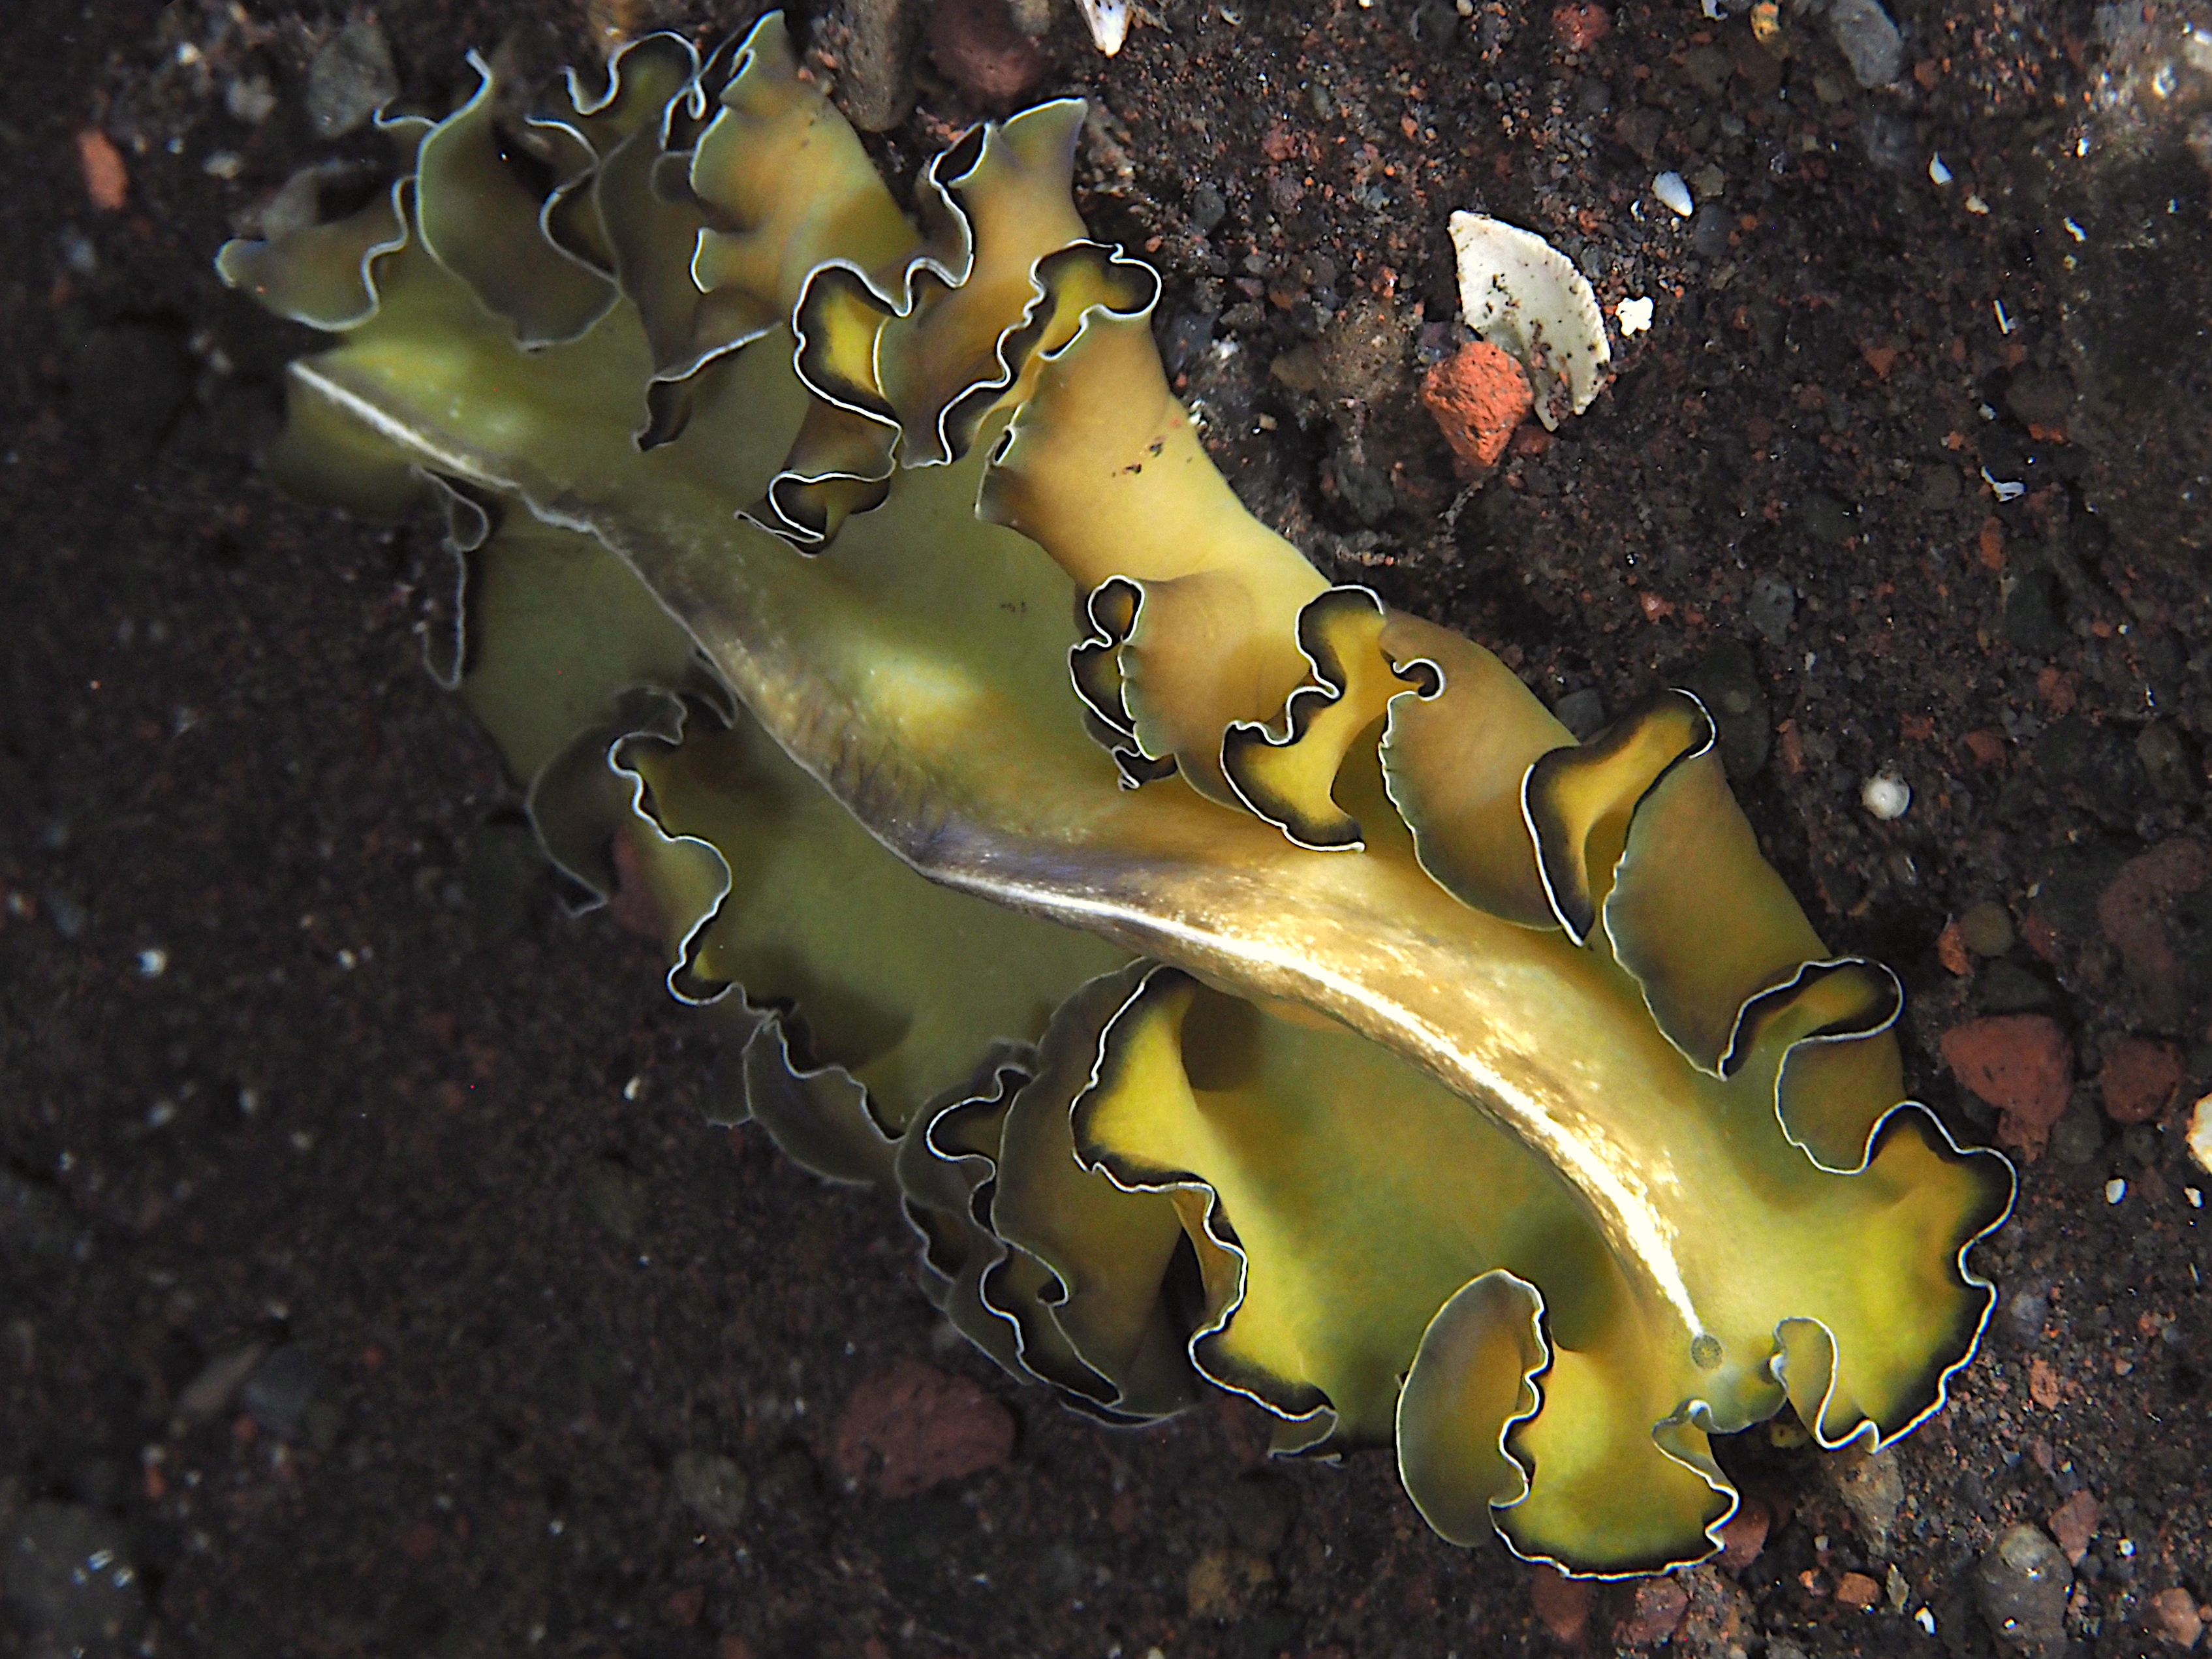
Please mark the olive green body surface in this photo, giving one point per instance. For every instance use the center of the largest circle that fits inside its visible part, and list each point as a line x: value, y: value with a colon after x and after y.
x: 1241, y: 984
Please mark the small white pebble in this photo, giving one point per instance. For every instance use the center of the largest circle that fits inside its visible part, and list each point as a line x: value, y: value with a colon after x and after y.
x: 1669, y: 189
x: 1926, y: 1620
x: 2127, y: 1547
x: 348, y: 960
x: 1885, y: 795
x: 223, y: 164
x: 1635, y: 316
x: 2200, y: 1134
x: 2005, y: 489
x: 1937, y: 172
x: 2115, y: 1190
x: 2076, y: 232
x: 2195, y: 1196
x: 1976, y: 204
x: 153, y: 962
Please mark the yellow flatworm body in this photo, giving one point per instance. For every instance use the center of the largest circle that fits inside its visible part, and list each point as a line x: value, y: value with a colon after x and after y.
x: 1242, y: 984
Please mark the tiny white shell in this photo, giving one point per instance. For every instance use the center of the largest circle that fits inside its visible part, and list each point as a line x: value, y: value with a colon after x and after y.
x: 1885, y: 795
x: 1670, y: 188
x: 2200, y: 1134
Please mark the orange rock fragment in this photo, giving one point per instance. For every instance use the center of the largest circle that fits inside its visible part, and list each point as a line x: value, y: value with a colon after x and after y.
x: 1950, y: 951
x: 2176, y: 1617
x: 1858, y: 1590
x: 2022, y: 1065
x: 106, y: 179
x: 1478, y: 397
x: 2043, y: 1386
x: 1990, y: 544
x: 1579, y: 28
x: 2140, y: 1080
x: 2074, y: 1523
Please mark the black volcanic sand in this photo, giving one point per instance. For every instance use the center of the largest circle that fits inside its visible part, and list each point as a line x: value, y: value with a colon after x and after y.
x: 366, y: 1269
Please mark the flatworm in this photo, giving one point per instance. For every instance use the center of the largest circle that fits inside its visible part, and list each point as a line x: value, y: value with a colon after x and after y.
x: 1241, y: 983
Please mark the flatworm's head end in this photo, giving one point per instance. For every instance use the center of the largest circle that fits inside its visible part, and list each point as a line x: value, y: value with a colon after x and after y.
x: 1914, y: 1311
x: 1502, y: 1429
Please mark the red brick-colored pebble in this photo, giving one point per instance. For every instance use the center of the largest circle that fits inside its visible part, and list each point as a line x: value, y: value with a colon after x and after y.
x: 2132, y: 911
x: 2140, y: 1080
x: 106, y: 179
x: 2022, y: 1065
x: 1478, y: 397
x: 980, y: 46
x: 1579, y: 28
x: 909, y: 1427
x: 2074, y: 1523
x: 1562, y: 1604
x: 1745, y: 1535
x: 1656, y: 1613
x: 632, y: 906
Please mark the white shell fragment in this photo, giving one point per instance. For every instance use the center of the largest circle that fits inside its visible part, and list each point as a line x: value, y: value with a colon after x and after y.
x: 1885, y: 795
x: 1937, y: 172
x: 2200, y: 1134
x: 1634, y: 316
x: 1528, y: 299
x: 2115, y: 1190
x: 1670, y: 188
x: 1109, y: 22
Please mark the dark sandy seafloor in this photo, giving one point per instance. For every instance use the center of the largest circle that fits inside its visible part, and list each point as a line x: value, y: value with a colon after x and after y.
x: 370, y: 1281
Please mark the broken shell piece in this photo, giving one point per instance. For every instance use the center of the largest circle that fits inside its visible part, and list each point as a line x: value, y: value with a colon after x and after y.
x: 1634, y: 316
x: 2200, y: 1134
x: 1523, y: 295
x: 1109, y: 22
